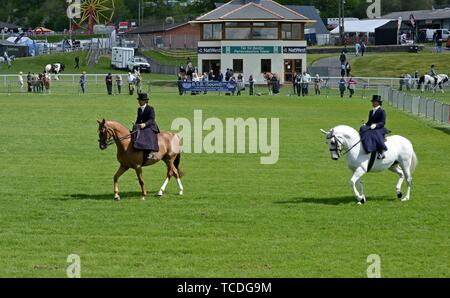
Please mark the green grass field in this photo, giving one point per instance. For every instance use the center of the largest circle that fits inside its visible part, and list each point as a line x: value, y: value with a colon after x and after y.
x: 395, y: 64
x: 238, y: 218
x: 37, y: 65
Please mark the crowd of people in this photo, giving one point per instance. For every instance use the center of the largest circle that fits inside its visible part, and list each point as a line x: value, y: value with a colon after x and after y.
x: 36, y: 82
x: 134, y: 80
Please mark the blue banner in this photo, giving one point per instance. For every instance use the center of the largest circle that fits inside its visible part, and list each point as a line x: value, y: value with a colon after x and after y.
x: 207, y: 86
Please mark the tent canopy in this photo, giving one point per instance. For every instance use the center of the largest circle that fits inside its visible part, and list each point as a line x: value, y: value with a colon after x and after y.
x: 363, y: 26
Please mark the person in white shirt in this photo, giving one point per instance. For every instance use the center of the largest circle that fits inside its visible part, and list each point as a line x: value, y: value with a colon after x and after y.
x: 20, y: 81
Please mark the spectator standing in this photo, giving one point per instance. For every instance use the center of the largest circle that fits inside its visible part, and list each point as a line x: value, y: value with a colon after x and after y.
x: 298, y: 79
x: 109, y: 83
x: 317, y: 83
x: 77, y: 62
x: 130, y: 79
x: 342, y: 84
x: 357, y: 48
x: 294, y: 82
x: 251, y: 82
x: 363, y: 48
x: 30, y: 82
x: 306, y: 79
x: 220, y: 77
x: 408, y: 82
x: 211, y: 75
x: 138, y: 81
x: 233, y: 80
x: 348, y: 69
x: 119, y: 83
x: 83, y: 82
x: 205, y: 78
x: 416, y: 78
x: 401, y: 82
x: 343, y: 58
x: 352, y: 86
x: 343, y: 70
x: 240, y: 84
x: 20, y: 81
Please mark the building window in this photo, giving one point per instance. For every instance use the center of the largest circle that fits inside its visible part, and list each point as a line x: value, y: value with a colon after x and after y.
x: 237, y: 33
x: 290, y: 31
x: 266, y: 65
x: 245, y: 30
x: 217, y: 31
x: 265, y: 33
x: 238, y: 65
x: 212, y: 31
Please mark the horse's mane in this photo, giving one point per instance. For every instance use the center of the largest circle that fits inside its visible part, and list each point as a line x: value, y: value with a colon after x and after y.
x: 116, y: 125
x: 342, y: 128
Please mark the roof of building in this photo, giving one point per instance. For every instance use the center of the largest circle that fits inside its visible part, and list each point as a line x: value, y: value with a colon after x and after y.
x: 240, y: 10
x: 443, y: 13
x: 152, y: 28
x: 311, y: 13
x: 363, y: 26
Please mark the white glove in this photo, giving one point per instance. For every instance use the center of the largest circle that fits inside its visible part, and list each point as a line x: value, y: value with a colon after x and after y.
x: 373, y: 126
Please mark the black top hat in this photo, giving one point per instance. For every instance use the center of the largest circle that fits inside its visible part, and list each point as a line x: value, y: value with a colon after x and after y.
x: 377, y: 98
x: 143, y: 96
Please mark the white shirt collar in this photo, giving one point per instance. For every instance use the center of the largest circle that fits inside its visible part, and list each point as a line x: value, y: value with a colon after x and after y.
x: 375, y: 109
x: 143, y: 107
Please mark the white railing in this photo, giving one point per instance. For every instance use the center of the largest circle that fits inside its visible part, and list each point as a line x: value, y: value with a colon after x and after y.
x: 416, y: 104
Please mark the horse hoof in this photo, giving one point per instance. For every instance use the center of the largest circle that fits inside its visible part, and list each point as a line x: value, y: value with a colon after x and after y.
x: 405, y: 199
x: 116, y: 198
x: 362, y: 201
x: 160, y: 193
x: 180, y: 193
x: 142, y: 198
x: 399, y: 194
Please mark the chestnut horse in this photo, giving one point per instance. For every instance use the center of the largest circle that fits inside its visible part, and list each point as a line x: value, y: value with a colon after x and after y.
x: 128, y: 157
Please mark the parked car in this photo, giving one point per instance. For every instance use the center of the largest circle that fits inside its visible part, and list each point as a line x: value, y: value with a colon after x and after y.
x: 138, y: 62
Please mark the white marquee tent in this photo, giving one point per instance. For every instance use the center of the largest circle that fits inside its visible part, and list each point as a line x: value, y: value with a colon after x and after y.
x: 362, y: 26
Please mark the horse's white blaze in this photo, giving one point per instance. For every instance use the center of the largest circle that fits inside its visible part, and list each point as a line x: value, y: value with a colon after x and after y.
x: 399, y: 150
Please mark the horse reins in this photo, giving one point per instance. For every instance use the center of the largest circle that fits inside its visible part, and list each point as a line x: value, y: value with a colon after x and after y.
x: 336, y: 149
x: 110, y: 141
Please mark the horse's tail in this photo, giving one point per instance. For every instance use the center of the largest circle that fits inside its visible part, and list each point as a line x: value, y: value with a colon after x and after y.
x: 414, y: 162
x: 176, y: 163
x: 177, y: 160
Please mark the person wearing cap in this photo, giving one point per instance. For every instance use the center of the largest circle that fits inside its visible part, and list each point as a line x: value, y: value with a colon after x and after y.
x: 372, y: 133
x: 146, y: 138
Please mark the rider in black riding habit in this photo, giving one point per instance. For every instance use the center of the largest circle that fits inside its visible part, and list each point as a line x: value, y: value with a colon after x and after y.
x: 373, y: 131
x: 146, y: 137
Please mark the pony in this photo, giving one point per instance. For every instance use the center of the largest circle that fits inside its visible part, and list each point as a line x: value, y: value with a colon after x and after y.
x: 55, y: 69
x: 400, y: 158
x: 129, y: 158
x: 429, y: 80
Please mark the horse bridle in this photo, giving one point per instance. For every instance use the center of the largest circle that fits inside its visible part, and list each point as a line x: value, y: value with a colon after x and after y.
x: 337, y: 141
x: 112, y: 137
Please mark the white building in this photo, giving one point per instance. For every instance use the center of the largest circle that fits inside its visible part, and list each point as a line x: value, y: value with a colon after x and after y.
x: 252, y: 37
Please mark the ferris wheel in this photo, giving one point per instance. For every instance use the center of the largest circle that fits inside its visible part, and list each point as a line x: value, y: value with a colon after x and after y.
x: 95, y: 12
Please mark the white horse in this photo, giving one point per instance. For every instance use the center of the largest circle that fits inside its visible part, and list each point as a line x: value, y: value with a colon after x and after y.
x: 55, y: 69
x: 400, y: 158
x: 429, y: 80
